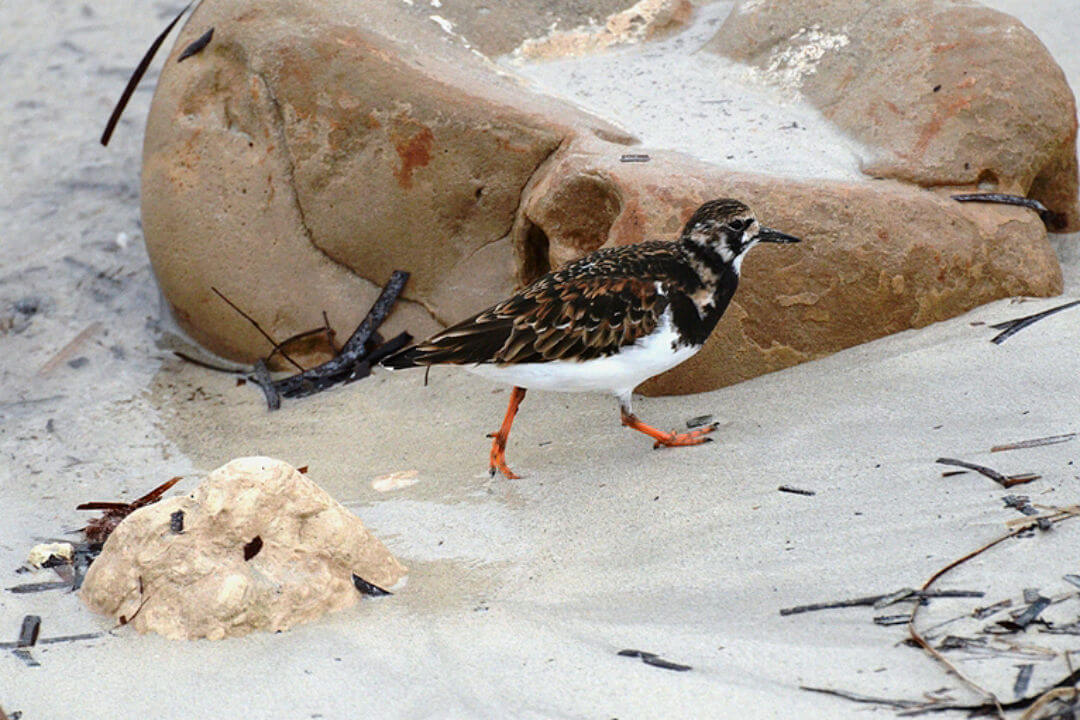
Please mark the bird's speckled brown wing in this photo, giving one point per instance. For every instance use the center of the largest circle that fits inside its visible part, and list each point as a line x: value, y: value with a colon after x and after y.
x: 588, y: 309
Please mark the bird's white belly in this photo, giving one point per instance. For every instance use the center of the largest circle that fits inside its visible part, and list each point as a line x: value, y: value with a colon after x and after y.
x: 617, y: 373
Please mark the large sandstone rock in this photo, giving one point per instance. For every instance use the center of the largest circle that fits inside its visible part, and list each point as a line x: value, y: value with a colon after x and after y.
x: 312, y: 148
x: 948, y: 91
x: 257, y: 546
x: 877, y: 258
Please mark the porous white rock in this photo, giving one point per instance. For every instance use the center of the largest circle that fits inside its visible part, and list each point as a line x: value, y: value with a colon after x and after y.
x: 257, y: 546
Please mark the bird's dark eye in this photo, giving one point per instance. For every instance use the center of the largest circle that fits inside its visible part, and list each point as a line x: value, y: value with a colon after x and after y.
x: 738, y: 225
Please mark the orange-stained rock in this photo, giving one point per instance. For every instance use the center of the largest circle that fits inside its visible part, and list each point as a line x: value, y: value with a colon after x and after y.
x: 877, y: 257
x: 950, y: 93
x: 312, y: 148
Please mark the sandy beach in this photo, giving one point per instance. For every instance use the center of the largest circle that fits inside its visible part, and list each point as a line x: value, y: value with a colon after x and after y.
x: 520, y: 593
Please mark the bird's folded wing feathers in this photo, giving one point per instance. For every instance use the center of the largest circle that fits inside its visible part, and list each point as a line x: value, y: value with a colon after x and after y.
x: 565, y: 318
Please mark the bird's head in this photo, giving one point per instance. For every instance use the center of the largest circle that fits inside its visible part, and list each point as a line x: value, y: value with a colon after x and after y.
x: 729, y: 229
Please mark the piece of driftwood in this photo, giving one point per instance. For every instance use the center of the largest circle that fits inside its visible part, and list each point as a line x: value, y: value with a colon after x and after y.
x: 871, y: 600
x: 357, y: 355
x: 1037, y: 442
x: 136, y: 76
x: 196, y: 46
x: 1011, y: 327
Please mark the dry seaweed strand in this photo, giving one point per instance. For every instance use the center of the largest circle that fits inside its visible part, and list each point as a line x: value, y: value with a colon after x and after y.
x: 1028, y: 524
x: 1047, y: 216
x: 136, y: 76
x: 254, y: 323
x: 1011, y: 327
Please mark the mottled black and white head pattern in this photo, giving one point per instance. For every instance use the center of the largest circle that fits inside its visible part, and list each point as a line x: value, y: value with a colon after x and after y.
x: 726, y: 230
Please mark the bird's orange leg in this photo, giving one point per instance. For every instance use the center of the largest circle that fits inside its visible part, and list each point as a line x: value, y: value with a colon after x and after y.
x: 498, y: 447
x: 667, y: 439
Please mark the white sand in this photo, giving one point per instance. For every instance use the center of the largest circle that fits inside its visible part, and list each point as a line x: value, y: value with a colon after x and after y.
x: 521, y: 592
x: 672, y: 94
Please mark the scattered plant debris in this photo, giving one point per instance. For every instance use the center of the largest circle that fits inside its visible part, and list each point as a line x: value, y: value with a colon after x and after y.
x: 795, y: 490
x: 364, y: 348
x: 694, y: 422
x: 98, y: 529
x: 634, y: 158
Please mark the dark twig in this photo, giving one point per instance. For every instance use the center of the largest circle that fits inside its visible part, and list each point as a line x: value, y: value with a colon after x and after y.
x: 872, y: 600
x: 136, y: 76
x: 653, y: 659
x: 1037, y: 442
x: 1005, y: 481
x: 207, y: 365
x: 1011, y: 327
x: 857, y: 697
x: 197, y: 46
x: 988, y: 472
x: 355, y: 359
x: 262, y: 378
x: 1045, y: 215
x: 795, y: 490
x: 254, y: 323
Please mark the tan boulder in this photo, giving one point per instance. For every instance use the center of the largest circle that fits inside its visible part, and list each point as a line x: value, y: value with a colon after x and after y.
x: 877, y: 257
x: 257, y: 546
x: 950, y: 93
x: 311, y: 149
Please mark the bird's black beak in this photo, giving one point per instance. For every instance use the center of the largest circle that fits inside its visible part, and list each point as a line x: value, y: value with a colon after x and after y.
x: 767, y: 234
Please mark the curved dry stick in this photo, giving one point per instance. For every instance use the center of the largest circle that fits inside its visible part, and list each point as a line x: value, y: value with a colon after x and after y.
x: 1063, y: 514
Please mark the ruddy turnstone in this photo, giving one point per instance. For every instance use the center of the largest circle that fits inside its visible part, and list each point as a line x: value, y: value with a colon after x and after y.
x: 608, y: 321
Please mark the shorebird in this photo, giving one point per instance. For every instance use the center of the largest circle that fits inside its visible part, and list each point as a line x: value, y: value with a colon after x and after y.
x: 607, y: 321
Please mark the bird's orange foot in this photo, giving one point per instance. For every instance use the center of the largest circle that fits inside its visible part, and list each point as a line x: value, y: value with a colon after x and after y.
x: 669, y: 439
x: 498, y: 461
x: 694, y: 437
